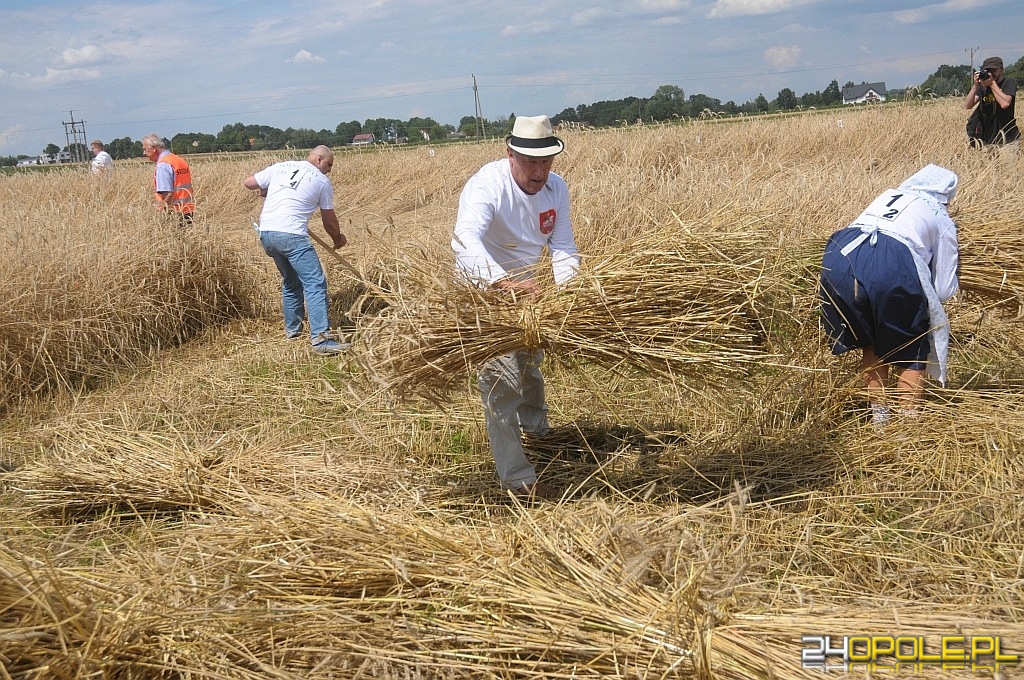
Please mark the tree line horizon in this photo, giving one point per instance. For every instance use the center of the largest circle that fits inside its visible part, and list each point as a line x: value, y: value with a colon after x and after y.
x: 668, y: 103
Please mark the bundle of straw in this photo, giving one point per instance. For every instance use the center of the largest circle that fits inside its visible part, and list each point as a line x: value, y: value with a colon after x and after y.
x: 104, y: 468
x: 991, y: 264
x: 992, y: 261
x: 677, y: 304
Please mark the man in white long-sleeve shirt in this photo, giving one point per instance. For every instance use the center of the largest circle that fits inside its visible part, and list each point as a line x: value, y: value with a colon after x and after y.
x: 509, y: 211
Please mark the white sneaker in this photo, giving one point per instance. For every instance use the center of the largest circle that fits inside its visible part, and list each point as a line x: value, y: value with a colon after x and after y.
x: 880, y: 416
x: 331, y: 347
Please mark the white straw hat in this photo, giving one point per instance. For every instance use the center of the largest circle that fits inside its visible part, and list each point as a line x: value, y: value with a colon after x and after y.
x: 533, y: 136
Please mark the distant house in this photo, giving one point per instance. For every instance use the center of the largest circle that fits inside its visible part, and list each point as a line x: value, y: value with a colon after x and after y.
x: 50, y: 158
x: 865, y: 92
x: 363, y: 138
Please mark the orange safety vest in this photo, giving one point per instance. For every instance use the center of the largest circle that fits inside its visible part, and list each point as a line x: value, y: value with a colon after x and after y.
x: 181, y: 195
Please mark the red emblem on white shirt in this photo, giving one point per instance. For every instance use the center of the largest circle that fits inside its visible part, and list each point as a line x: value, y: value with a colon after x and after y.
x: 547, y: 222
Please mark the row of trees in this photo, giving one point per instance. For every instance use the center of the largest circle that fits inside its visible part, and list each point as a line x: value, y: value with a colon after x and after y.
x: 241, y: 137
x: 118, y: 148
x: 667, y: 103
x: 952, y: 80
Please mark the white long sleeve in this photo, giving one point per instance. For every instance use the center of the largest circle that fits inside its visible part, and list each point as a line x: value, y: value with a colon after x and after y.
x: 501, y: 231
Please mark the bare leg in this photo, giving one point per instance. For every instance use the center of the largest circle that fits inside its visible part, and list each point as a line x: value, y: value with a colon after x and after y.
x: 876, y: 378
x: 876, y: 375
x: 909, y: 388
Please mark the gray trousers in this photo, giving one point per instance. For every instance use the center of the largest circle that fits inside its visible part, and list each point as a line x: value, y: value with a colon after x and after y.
x: 512, y: 391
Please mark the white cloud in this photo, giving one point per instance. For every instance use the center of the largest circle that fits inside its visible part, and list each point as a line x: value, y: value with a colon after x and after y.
x: 968, y: 5
x: 588, y: 16
x: 925, y: 13
x: 532, y: 28
x: 913, y: 16
x: 290, y: 30
x: 663, y: 5
x: 798, y: 28
x: 11, y: 136
x: 56, y: 76
x: 305, y: 56
x: 782, y: 57
x: 87, y: 55
x: 737, y: 8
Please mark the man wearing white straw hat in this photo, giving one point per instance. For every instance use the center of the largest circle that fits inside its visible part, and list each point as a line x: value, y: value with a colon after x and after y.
x: 509, y: 211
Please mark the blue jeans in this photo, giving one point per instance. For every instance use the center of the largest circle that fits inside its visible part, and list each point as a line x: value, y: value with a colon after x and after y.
x: 303, y: 284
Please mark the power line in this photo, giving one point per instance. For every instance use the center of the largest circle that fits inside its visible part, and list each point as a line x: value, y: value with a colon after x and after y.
x: 970, y: 74
x: 478, y: 112
x: 75, y: 134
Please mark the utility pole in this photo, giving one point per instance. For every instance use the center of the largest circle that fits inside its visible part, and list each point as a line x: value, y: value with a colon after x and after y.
x: 481, y: 131
x: 970, y: 74
x: 75, y: 135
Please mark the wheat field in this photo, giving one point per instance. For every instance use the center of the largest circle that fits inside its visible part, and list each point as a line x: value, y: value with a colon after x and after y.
x: 186, y: 494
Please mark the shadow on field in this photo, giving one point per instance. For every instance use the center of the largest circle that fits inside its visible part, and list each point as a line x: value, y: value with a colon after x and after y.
x: 662, y: 462
x: 353, y: 298
x: 358, y: 297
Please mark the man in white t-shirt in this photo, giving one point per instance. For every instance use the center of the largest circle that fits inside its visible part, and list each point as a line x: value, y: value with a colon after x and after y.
x: 102, y: 163
x: 293, y: 191
x: 509, y: 211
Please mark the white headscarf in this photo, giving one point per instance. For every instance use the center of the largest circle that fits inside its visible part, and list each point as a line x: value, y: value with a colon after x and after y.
x: 934, y: 182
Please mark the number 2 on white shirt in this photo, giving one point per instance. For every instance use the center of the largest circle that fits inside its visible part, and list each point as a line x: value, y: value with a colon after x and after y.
x: 889, y: 206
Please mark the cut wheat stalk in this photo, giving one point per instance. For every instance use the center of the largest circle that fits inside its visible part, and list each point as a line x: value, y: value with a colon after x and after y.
x: 674, y: 305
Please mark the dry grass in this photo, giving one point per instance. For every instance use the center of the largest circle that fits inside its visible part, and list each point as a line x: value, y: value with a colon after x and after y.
x: 223, y: 504
x: 99, y: 283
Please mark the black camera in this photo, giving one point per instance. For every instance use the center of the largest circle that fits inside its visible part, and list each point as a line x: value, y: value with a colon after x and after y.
x: 984, y: 74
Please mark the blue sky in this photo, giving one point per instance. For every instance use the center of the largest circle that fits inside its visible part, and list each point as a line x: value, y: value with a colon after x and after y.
x: 130, y: 67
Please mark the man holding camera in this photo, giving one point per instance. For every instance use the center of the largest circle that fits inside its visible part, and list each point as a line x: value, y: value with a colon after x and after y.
x: 993, y: 96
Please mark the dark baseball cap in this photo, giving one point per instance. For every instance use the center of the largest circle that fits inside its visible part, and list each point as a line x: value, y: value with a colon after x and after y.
x: 992, y: 62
